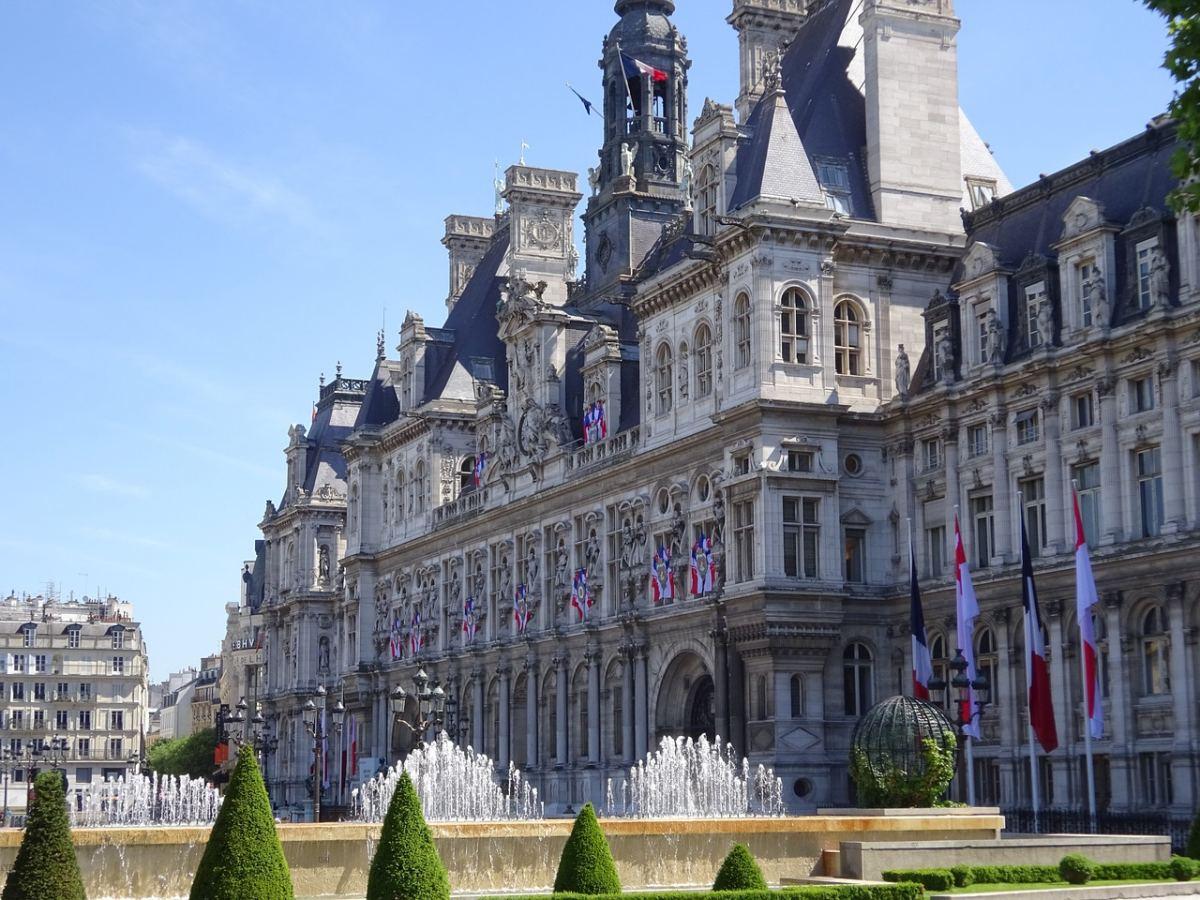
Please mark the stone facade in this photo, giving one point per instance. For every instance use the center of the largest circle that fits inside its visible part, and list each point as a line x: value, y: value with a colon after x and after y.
x: 793, y: 349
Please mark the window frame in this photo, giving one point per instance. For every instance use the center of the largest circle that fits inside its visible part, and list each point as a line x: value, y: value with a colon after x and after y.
x: 794, y: 330
x: 741, y: 330
x: 849, y: 337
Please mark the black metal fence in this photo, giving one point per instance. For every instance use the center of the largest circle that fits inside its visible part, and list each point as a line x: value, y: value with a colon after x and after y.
x: 1075, y: 821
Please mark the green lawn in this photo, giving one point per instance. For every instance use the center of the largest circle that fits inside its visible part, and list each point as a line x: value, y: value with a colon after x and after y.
x: 1044, y: 886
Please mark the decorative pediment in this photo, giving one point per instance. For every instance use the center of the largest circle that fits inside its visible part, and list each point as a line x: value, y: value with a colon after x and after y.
x: 1083, y: 215
x: 1147, y: 215
x: 980, y: 259
x: 856, y: 517
x: 1033, y: 263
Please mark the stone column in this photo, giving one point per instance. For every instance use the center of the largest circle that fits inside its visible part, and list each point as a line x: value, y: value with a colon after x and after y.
x: 477, y: 695
x: 1118, y: 702
x: 531, y: 711
x: 953, y: 489
x: 1181, y: 764
x: 1056, y: 533
x: 561, y: 710
x: 1006, y: 700
x: 627, y: 704
x: 737, y: 700
x: 1112, y: 485
x: 593, y: 701
x: 640, y: 702
x: 503, y: 737
x: 1001, y: 490
x: 721, y: 680
x: 1174, y: 485
x: 1065, y: 709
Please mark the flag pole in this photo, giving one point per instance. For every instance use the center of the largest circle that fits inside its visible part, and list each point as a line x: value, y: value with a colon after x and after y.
x: 911, y: 566
x: 968, y: 744
x: 1033, y: 768
x: 1087, y: 689
x: 625, y: 78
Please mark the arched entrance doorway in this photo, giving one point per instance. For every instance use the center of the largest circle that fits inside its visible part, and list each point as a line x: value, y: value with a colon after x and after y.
x: 685, y: 705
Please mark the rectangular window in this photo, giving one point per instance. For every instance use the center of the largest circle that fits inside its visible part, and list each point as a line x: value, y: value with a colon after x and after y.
x: 85, y: 692
x: 62, y: 691
x: 116, y: 720
x: 1196, y: 379
x: 1035, y: 296
x: 982, y: 516
x: 116, y: 748
x: 935, y: 543
x: 83, y: 776
x: 855, y: 552
x: 977, y: 440
x: 1087, y: 481
x: 981, y: 191
x: 18, y: 662
x: 982, y: 337
x: 18, y: 719
x: 18, y: 690
x: 40, y: 662
x: 60, y: 719
x: 1033, y: 495
x: 39, y: 720
x: 29, y: 632
x: 1028, y: 427
x: 73, y: 639
x: 1141, y: 394
x: 743, y: 539
x: 1154, y: 771
x: 801, y: 537
x: 800, y: 461
x: 834, y: 178
x: 85, y: 720
x: 39, y: 690
x: 118, y: 639
x: 940, y: 330
x: 1085, y: 271
x: 1145, y: 272
x: 1150, y: 490
x: 1083, y: 410
x: 741, y: 464
x: 83, y: 747
x: 118, y: 665
x: 931, y: 454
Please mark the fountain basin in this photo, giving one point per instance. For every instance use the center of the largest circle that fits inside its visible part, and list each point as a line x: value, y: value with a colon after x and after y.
x: 332, y: 860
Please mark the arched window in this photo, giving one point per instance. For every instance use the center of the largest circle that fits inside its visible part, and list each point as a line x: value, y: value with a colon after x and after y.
x: 466, y: 474
x: 664, y: 369
x: 706, y: 200
x: 797, y: 696
x: 741, y: 329
x: 1156, y: 653
x: 941, y: 666
x: 398, y: 506
x: 847, y: 337
x: 858, y: 678
x: 703, y: 353
x: 987, y: 661
x: 419, y: 487
x: 760, y: 699
x: 793, y: 327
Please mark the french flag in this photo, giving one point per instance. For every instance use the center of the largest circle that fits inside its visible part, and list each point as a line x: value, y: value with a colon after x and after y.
x: 966, y: 607
x: 922, y: 661
x: 635, y: 68
x: 1037, y: 673
x: 1086, y: 599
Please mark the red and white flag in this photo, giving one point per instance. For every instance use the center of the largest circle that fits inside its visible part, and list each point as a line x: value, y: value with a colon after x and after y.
x: 1086, y: 599
x: 966, y: 611
x: 1037, y: 672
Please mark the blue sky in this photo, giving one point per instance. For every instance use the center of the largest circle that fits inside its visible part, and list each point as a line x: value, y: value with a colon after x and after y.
x: 204, y: 205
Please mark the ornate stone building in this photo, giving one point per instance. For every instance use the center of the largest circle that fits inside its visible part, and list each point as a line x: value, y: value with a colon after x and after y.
x: 797, y: 344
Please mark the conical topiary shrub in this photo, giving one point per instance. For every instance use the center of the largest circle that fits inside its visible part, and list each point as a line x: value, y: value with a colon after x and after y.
x: 244, y: 858
x: 586, y: 865
x: 406, y: 864
x: 740, y: 872
x: 46, y: 866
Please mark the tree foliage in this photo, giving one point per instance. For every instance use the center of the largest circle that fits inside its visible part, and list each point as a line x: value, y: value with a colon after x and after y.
x: 1183, y: 62
x: 586, y: 865
x: 244, y: 858
x: 46, y: 866
x: 191, y: 755
x: 406, y: 865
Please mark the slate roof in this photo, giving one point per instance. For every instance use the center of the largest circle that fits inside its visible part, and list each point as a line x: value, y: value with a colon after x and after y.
x: 773, y: 164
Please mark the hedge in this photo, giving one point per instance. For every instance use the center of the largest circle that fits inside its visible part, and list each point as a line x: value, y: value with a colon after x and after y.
x: 46, y: 866
x: 930, y: 879
x: 841, y: 892
x: 962, y: 876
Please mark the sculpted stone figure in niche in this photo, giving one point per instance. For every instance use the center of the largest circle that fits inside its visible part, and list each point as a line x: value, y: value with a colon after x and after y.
x: 945, y: 352
x: 323, y: 565
x: 562, y: 565
x: 1097, y: 288
x: 1045, y: 322
x: 1160, y: 278
x: 903, y: 372
x: 627, y: 156
x: 997, y: 339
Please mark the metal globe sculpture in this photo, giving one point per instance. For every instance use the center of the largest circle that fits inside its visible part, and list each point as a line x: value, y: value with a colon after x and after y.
x: 903, y: 753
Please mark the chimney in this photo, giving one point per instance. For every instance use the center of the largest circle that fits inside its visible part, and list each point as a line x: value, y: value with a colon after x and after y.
x: 467, y: 239
x: 763, y: 26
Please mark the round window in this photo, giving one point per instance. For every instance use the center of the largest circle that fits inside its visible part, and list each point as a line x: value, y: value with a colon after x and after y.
x: 802, y: 788
x: 664, y: 501
x: 702, y: 489
x: 854, y: 464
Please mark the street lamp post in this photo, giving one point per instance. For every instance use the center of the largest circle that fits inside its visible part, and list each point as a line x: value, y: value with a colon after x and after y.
x: 7, y: 762
x: 314, y: 724
x: 963, y: 686
x: 431, y: 705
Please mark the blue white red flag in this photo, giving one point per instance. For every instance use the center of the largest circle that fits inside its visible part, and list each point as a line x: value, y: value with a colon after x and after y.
x: 1086, y: 600
x: 470, y: 623
x: 595, y: 423
x: 581, y: 594
x: 635, y: 68
x: 922, y: 660
x: 1037, y: 672
x: 480, y: 468
x: 704, y: 569
x: 966, y: 606
x: 521, y: 611
x: 416, y: 640
x: 396, y: 638
x: 662, y: 577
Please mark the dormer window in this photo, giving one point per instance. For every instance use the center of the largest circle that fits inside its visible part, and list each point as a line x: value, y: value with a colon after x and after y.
x: 1145, y: 273
x: 941, y: 330
x: 1087, y: 277
x: 982, y: 341
x: 706, y: 200
x: 1035, y: 296
x: 835, y: 182
x: 982, y: 191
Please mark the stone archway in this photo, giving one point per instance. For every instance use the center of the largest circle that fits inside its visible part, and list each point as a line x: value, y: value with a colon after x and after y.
x: 685, y: 700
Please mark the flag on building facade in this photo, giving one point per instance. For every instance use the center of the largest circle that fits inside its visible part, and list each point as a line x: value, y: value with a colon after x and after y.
x: 1037, y: 672
x: 396, y: 637
x: 470, y: 623
x: 581, y: 594
x: 662, y: 577
x: 922, y: 662
x: 595, y: 423
x: 703, y: 568
x: 479, y: 469
x: 521, y: 610
x: 416, y: 640
x: 966, y: 608
x: 587, y: 104
x: 353, y: 746
x: 635, y: 68
x: 1086, y: 600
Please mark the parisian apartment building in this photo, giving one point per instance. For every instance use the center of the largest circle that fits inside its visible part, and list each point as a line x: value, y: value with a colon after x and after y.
x: 74, y: 694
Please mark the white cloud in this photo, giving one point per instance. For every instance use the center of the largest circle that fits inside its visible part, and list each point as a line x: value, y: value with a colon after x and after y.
x: 103, y: 484
x: 219, y: 188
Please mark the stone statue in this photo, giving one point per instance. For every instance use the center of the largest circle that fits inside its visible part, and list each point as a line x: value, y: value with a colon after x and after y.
x: 772, y: 71
x: 591, y: 551
x: 945, y: 352
x: 505, y: 585
x: 594, y: 180
x: 903, y: 372
x: 689, y: 176
x: 323, y: 655
x: 627, y: 157
x: 719, y: 516
x: 1098, y: 291
x: 562, y: 566
x: 323, y: 565
x: 532, y: 569
x: 1045, y: 323
x: 997, y: 342
x: 498, y: 184
x: 1160, y: 279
